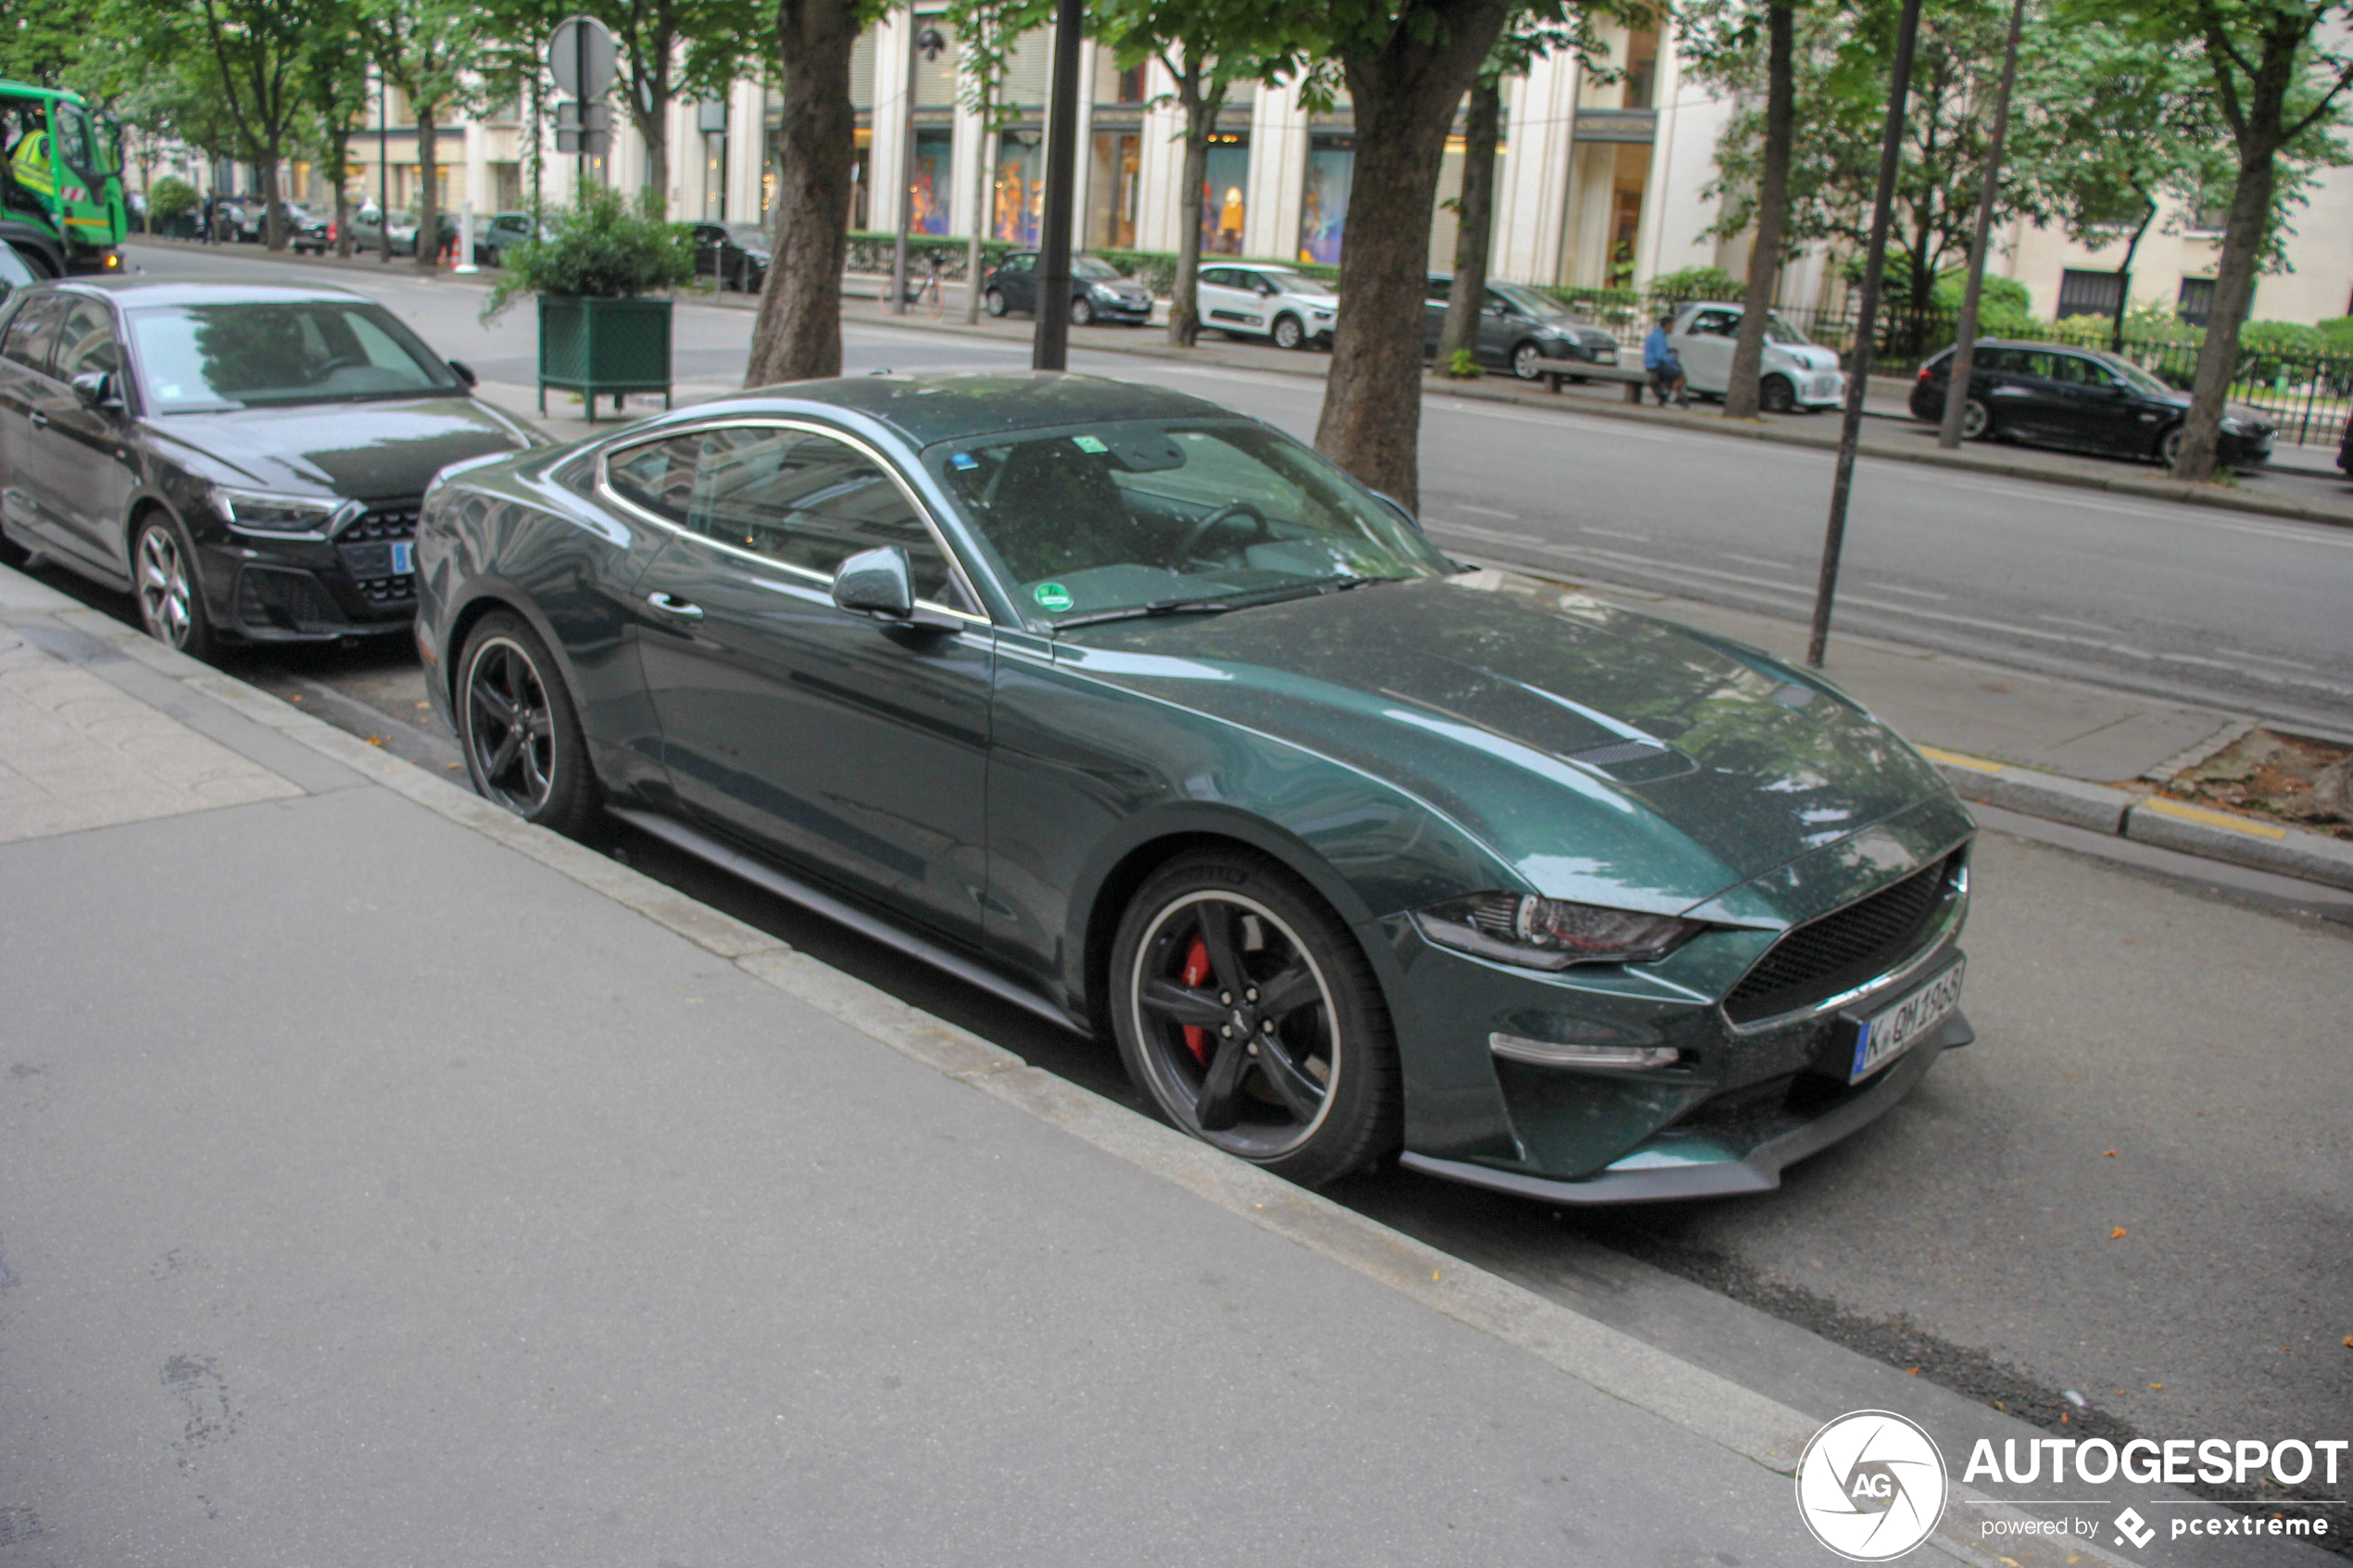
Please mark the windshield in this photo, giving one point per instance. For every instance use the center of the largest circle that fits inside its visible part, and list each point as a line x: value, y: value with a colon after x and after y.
x: 206, y: 358
x: 1092, y: 267
x: 2139, y: 381
x: 748, y: 236
x: 1529, y: 300
x: 1150, y: 517
x: 1295, y: 283
x: 1781, y: 332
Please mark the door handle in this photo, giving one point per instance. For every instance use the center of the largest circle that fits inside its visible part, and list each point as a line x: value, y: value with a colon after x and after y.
x: 38, y: 420
x: 671, y: 604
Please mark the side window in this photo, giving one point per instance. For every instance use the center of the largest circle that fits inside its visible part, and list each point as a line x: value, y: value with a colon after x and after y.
x: 86, y: 342
x: 1439, y: 292
x: 30, y: 334
x: 659, y: 476
x: 2033, y: 362
x: 810, y: 501
x: 1219, y: 277
x: 1020, y: 263
x: 1715, y: 323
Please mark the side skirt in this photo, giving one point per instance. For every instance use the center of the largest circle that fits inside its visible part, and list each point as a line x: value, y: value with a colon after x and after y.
x: 842, y: 913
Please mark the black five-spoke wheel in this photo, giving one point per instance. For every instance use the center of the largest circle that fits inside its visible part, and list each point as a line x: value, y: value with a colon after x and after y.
x: 1250, y: 1018
x: 522, y: 742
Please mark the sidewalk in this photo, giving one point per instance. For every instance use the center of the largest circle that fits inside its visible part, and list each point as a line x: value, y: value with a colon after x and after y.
x: 391, y: 1182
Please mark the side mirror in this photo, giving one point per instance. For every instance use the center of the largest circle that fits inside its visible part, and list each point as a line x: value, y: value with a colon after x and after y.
x: 95, y: 388
x: 463, y: 372
x: 876, y: 583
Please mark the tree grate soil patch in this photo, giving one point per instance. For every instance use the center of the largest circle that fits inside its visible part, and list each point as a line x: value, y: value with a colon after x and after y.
x: 2279, y: 777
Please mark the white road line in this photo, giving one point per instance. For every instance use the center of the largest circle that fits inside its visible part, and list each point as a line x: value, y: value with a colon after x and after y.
x: 1615, y: 533
x: 2185, y: 515
x: 2086, y: 625
x: 1489, y: 511
x: 1913, y: 593
x: 1760, y: 561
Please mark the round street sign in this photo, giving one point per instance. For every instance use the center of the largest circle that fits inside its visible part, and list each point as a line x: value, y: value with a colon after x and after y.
x: 581, y: 56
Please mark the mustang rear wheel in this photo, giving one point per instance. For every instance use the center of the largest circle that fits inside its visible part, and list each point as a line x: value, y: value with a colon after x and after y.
x: 515, y: 724
x: 1249, y: 1017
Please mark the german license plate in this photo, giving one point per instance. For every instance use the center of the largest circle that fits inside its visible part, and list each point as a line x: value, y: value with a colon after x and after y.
x: 404, y: 557
x: 1891, y: 1031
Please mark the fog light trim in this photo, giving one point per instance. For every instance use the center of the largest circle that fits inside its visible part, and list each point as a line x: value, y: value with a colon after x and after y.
x: 1551, y: 1053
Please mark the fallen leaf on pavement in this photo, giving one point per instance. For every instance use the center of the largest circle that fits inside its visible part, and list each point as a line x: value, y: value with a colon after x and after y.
x: 375, y: 740
x: 2117, y: 1234
x: 2109, y: 1155
x: 2156, y: 1384
x: 2348, y: 1341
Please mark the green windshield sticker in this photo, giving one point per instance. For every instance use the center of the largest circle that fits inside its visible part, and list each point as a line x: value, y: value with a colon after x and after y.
x: 1087, y: 444
x: 1053, y: 596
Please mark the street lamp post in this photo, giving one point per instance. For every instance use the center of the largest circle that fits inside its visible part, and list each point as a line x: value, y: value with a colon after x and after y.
x: 1891, y: 152
x: 1050, y: 349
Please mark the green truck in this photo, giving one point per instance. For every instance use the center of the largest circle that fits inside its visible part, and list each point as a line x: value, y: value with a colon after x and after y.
x: 60, y: 181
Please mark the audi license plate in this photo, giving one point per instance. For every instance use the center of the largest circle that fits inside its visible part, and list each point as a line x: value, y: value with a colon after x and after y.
x: 1891, y: 1031
x: 404, y: 557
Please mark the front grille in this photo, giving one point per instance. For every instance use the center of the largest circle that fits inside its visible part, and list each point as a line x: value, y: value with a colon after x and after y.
x: 1843, y: 949
x: 367, y: 546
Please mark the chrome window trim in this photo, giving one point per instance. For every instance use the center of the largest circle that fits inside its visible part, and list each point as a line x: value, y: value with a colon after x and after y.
x: 931, y: 525
x: 1946, y: 922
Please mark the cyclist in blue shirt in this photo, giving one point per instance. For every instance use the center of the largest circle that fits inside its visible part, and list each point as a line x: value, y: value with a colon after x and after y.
x: 1665, y: 368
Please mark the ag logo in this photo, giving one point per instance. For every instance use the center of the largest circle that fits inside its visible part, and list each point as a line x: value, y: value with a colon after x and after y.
x: 1871, y: 1485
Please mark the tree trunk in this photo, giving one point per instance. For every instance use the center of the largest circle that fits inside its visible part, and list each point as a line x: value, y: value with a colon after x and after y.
x: 797, y: 333
x: 274, y: 205
x: 2218, y: 358
x: 981, y: 182
x: 1201, y: 119
x: 1482, y: 128
x: 428, y: 192
x: 2124, y: 277
x: 649, y: 95
x: 1404, y: 91
x: 1746, y: 387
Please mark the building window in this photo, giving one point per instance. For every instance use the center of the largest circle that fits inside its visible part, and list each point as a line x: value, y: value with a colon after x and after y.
x: 1131, y: 85
x: 2090, y: 293
x: 1017, y: 203
x: 1323, y: 208
x: 1641, y: 69
x: 2196, y: 302
x: 1225, y: 183
x: 935, y: 163
x: 1112, y: 191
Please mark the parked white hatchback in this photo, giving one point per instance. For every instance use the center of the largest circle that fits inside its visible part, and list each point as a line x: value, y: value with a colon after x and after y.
x: 1798, y: 374
x: 1268, y: 301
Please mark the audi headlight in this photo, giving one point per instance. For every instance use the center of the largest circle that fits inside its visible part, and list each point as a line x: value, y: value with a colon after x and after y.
x: 259, y: 511
x: 1552, y: 933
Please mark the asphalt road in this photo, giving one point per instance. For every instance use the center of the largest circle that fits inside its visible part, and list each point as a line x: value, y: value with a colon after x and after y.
x: 1971, y: 1233
x: 2244, y: 612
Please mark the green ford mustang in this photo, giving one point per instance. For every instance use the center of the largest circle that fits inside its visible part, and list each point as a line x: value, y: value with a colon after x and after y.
x: 1139, y: 714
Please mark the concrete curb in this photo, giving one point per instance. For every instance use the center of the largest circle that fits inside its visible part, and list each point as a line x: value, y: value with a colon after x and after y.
x: 2170, y: 825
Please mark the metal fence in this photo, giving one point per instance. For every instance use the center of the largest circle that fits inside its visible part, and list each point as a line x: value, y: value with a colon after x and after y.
x: 2308, y: 396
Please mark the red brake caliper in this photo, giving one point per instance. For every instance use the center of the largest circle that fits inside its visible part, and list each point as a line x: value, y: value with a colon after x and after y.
x: 1196, y: 970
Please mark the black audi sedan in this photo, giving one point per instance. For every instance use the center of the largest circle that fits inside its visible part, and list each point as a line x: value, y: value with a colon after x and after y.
x: 2081, y: 398
x: 1098, y: 292
x: 247, y: 461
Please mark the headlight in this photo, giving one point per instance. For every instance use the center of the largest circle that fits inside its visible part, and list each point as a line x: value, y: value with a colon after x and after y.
x: 257, y: 511
x: 1552, y: 933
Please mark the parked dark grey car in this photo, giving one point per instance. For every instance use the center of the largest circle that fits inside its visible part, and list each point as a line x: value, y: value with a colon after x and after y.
x: 1518, y: 326
x: 2082, y: 398
x: 1098, y: 292
x: 247, y: 461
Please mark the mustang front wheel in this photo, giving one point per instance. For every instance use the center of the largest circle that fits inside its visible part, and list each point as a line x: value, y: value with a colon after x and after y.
x: 1250, y: 1018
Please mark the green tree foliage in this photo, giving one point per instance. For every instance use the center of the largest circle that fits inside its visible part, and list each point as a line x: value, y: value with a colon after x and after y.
x: 986, y: 33
x: 170, y: 197
x: 2280, y: 70
x: 1206, y: 46
x: 1842, y: 62
x: 430, y: 50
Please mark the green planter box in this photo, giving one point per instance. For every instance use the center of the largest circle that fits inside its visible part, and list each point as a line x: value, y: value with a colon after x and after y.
x: 603, y: 347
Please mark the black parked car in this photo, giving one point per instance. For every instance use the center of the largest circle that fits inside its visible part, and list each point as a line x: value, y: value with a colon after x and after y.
x: 247, y: 461
x: 2082, y: 398
x: 735, y: 254
x: 1517, y: 326
x: 1098, y: 292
